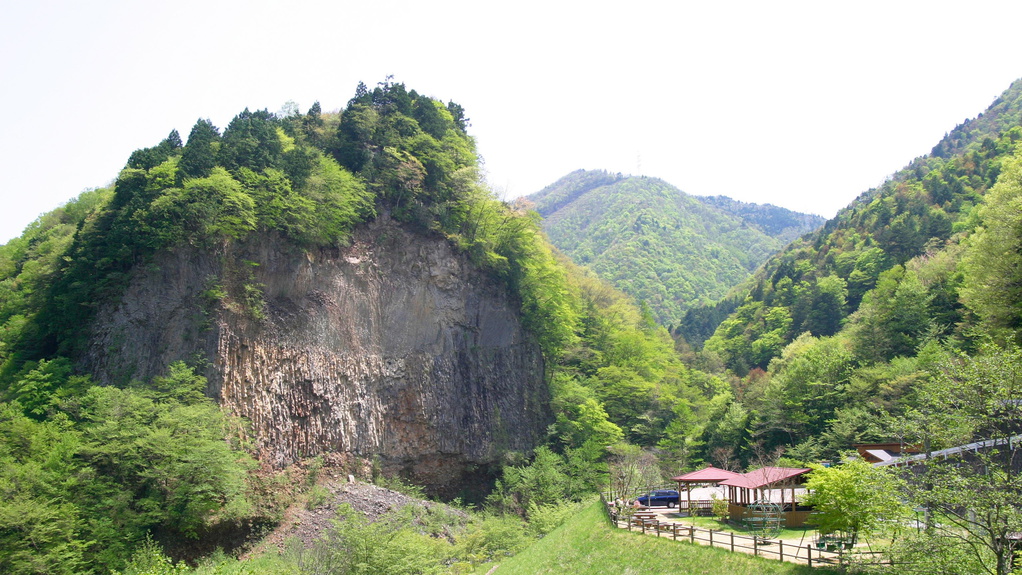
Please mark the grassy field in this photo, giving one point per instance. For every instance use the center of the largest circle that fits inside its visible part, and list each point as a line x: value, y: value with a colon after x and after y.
x: 587, y: 544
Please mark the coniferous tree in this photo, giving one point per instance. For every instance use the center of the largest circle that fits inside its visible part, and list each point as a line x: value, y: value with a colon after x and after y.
x: 251, y: 140
x: 199, y: 155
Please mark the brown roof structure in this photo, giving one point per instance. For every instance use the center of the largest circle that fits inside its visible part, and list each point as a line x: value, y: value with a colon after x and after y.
x: 709, y: 474
x: 764, y: 476
x: 745, y: 489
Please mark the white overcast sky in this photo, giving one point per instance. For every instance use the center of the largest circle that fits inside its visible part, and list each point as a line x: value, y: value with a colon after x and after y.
x: 799, y: 104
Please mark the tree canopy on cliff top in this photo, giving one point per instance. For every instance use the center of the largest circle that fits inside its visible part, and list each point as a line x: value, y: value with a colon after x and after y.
x: 309, y: 177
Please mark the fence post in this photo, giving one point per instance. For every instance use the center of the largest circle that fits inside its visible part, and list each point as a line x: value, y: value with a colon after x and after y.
x: 732, y: 541
x: 711, y: 537
x: 755, y: 546
x: 674, y: 531
x: 692, y: 534
x: 780, y: 549
x: 809, y: 554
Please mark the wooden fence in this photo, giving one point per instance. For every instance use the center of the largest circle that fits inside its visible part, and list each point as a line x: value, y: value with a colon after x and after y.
x: 757, y: 546
x: 703, y: 507
x: 818, y: 552
x: 789, y: 518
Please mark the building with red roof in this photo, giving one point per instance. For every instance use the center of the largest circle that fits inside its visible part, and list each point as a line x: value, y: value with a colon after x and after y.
x: 709, y: 475
x: 764, y: 484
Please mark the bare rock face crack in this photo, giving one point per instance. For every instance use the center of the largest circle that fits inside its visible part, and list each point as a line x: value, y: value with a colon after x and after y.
x: 393, y: 348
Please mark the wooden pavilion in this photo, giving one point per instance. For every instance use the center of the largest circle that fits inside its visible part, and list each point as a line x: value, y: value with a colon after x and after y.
x: 707, y: 476
x: 748, y: 488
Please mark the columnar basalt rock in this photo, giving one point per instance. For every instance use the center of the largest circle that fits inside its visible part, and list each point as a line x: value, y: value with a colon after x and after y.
x: 394, y: 348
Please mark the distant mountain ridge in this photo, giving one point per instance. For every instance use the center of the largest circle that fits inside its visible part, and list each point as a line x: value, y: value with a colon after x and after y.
x: 660, y: 245
x: 774, y: 221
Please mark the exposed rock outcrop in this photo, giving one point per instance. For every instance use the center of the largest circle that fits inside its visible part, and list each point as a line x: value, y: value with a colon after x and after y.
x: 394, y: 347
x: 306, y: 525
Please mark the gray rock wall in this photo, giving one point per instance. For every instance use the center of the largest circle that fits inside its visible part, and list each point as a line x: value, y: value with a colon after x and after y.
x: 394, y: 348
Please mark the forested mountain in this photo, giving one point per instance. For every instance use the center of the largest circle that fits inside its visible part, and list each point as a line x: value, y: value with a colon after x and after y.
x: 820, y: 280
x: 899, y: 321
x: 836, y: 338
x: 658, y: 244
x: 775, y: 221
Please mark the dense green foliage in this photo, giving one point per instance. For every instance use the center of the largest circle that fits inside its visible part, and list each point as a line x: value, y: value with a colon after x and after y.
x: 837, y: 333
x: 822, y: 279
x: 621, y: 378
x: 775, y: 221
x: 411, y: 539
x: 992, y: 261
x: 84, y: 485
x: 854, y: 499
x: 663, y: 247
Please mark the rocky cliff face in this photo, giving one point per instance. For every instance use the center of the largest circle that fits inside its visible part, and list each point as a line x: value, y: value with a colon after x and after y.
x: 394, y: 347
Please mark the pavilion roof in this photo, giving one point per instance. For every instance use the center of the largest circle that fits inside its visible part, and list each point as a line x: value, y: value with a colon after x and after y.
x: 764, y: 476
x: 709, y: 474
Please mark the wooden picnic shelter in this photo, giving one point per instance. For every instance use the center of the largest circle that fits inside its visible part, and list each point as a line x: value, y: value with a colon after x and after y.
x: 748, y: 488
x: 706, y: 476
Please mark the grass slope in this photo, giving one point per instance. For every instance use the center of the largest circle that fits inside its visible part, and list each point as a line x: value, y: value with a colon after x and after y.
x: 587, y: 544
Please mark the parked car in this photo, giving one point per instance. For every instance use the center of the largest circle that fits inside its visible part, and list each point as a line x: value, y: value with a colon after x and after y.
x: 660, y: 498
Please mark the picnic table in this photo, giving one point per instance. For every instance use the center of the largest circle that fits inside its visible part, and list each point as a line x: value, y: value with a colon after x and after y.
x: 647, y: 517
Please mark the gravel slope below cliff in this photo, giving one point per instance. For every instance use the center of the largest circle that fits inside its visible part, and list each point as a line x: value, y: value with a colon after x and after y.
x: 308, y: 525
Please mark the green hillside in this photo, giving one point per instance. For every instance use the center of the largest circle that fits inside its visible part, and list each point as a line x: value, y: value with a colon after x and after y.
x: 587, y: 544
x: 835, y: 334
x: 900, y: 321
x: 818, y: 281
x: 775, y: 221
x: 666, y: 248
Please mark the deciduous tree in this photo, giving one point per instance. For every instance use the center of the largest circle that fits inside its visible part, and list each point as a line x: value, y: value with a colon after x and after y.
x: 854, y: 498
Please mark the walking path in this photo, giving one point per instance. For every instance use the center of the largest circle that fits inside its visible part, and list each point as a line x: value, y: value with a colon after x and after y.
x: 663, y: 522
